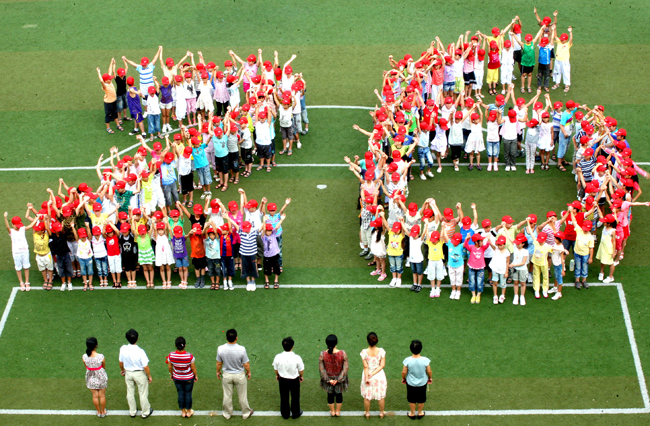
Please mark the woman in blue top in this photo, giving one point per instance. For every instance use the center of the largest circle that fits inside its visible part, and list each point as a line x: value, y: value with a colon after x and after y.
x: 416, y: 375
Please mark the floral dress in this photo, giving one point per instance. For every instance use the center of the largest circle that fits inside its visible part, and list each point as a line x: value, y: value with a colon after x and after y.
x: 333, y: 367
x: 96, y: 377
x: 377, y: 388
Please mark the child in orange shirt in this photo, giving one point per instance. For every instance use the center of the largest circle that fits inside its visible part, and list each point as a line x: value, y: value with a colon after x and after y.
x: 198, y: 254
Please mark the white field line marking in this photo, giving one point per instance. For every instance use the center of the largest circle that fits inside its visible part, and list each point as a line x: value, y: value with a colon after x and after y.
x: 125, y: 150
x: 635, y: 350
x: 442, y: 413
x: 5, y: 314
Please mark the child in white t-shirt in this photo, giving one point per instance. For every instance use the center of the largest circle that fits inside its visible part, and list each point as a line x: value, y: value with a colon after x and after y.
x: 520, y: 264
x: 19, y: 248
x: 500, y: 264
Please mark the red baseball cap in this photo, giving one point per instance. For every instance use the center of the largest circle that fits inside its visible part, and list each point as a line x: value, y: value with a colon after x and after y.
x: 485, y: 223
x: 477, y: 237
x: 415, y: 231
x: 122, y: 215
x: 97, y: 207
x: 397, y: 227
x: 174, y: 213
x: 130, y: 81
x: 56, y: 226
x: 507, y: 219
x: 142, y: 229
x: 158, y: 215
x: 107, y: 77
x: 448, y: 213
x: 17, y: 221
x: 121, y: 72
x: 500, y: 100
x: 169, y: 157
x: 82, y: 233
x: 541, y: 237
x: 144, y: 61
x: 501, y: 240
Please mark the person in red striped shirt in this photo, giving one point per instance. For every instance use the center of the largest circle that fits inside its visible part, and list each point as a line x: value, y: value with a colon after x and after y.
x: 183, y: 372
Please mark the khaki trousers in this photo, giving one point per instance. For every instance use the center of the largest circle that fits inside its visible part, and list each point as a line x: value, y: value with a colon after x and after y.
x: 139, y: 379
x: 229, y: 382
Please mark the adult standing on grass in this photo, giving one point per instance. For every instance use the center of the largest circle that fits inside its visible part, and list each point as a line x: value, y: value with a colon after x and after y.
x: 183, y: 372
x: 289, y: 370
x: 232, y: 358
x: 134, y: 365
x: 333, y: 367
x: 96, y: 378
x: 373, y: 381
x: 110, y: 97
x: 416, y: 375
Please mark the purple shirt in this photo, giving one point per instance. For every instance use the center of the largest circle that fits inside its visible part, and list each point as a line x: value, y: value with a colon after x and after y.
x: 166, y: 94
x: 270, y: 244
x: 134, y: 103
x: 179, y: 248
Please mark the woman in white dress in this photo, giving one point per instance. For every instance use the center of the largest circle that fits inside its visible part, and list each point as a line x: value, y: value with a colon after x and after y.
x: 373, y: 380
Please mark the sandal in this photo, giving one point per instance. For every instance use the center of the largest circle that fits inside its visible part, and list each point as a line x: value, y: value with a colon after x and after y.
x: 218, y: 186
x: 127, y: 119
x: 45, y: 286
x: 276, y: 286
x: 231, y: 179
x: 49, y: 286
x: 522, y: 90
x: 562, y: 169
x: 268, y: 170
x: 259, y: 168
x: 109, y: 130
x: 22, y: 286
x: 555, y: 86
x: 289, y: 153
x: 225, y: 187
x: 566, y: 88
x: 91, y: 287
x: 216, y: 286
x: 531, y: 90
x: 282, y: 152
x: 554, y: 157
x: 120, y: 128
x: 266, y: 285
x: 190, y: 204
x: 236, y: 181
x: 274, y: 164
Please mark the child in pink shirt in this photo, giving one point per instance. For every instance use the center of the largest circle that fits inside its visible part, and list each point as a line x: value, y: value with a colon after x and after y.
x: 476, y: 264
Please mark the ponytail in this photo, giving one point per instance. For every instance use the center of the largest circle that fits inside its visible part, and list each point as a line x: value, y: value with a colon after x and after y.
x: 331, y: 342
x: 91, y: 345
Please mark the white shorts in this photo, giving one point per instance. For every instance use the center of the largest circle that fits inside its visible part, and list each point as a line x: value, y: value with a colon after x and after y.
x: 72, y: 246
x: 21, y: 260
x: 436, y: 270
x: 44, y: 262
x: 506, y: 74
x: 166, y: 106
x: 115, y: 264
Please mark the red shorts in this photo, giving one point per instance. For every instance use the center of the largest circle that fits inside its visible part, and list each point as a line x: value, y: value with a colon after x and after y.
x: 626, y: 231
x: 620, y: 237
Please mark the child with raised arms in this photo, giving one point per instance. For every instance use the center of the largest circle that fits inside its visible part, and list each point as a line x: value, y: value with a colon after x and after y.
x: 213, y: 253
x: 519, y: 267
x: 101, y: 255
x: 163, y: 252
x: 20, y: 249
x: 84, y: 255
x: 455, y: 264
x: 271, y: 252
x: 476, y: 265
x: 500, y: 264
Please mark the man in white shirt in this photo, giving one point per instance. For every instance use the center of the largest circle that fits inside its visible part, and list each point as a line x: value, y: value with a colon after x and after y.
x: 236, y: 370
x: 134, y: 365
x: 289, y: 369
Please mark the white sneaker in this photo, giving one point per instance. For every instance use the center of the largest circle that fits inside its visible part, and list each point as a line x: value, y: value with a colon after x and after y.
x: 423, y: 177
x: 253, y: 286
x: 429, y: 173
x: 557, y: 296
x: 439, y: 170
x: 398, y: 282
x: 496, y: 167
x: 545, y: 294
x: 530, y: 279
x: 489, y: 167
x: 407, y: 264
x: 232, y: 287
x: 507, y: 168
x: 457, y: 295
x: 601, y: 276
x: 453, y: 294
x: 62, y: 287
x: 515, y: 301
x: 537, y: 295
x: 495, y: 300
x: 392, y: 282
x: 608, y: 280
x: 299, y: 145
x: 522, y: 300
x: 502, y: 298
x: 433, y: 293
x: 552, y: 290
x: 437, y: 292
x: 69, y: 286
x: 513, y: 169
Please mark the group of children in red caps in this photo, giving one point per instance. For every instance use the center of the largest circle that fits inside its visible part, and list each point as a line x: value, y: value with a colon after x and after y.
x: 427, y: 110
x: 208, y: 101
x: 133, y: 220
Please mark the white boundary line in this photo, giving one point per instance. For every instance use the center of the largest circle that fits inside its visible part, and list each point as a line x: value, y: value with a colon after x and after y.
x: 442, y: 413
x: 125, y: 150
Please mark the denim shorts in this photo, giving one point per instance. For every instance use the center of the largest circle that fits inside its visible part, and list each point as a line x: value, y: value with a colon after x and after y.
x: 122, y: 102
x: 182, y: 262
x: 101, y: 263
x: 395, y: 263
x: 500, y: 279
x: 214, y: 267
x: 417, y: 268
x: 558, y: 273
x: 204, y: 175
x: 448, y: 86
x: 424, y: 155
x: 86, y: 266
x: 493, y: 149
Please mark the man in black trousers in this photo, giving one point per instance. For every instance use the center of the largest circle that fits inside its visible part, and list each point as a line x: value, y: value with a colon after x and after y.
x: 289, y: 369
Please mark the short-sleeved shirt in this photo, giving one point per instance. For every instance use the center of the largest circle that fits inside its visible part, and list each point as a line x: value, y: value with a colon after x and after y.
x: 417, y: 371
x: 198, y: 249
x: 395, y: 244
x: 133, y: 357
x: 435, y: 250
x: 200, y: 159
x: 146, y: 74
x: 41, y: 244
x: 288, y: 365
x: 109, y: 93
x: 181, y: 362
x: 212, y: 248
x: 233, y: 356
x: 584, y: 242
x: 540, y: 254
x: 455, y: 255
x: 168, y: 173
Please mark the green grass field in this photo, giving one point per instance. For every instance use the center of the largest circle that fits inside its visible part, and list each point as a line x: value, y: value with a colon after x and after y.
x: 571, y: 354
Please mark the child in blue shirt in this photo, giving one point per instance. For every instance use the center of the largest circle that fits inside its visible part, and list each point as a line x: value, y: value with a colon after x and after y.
x: 201, y: 165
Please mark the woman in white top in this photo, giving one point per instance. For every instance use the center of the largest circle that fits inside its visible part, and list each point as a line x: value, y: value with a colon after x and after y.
x: 373, y: 380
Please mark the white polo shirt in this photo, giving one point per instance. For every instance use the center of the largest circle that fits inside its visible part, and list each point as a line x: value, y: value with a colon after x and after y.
x: 288, y: 364
x: 133, y: 357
